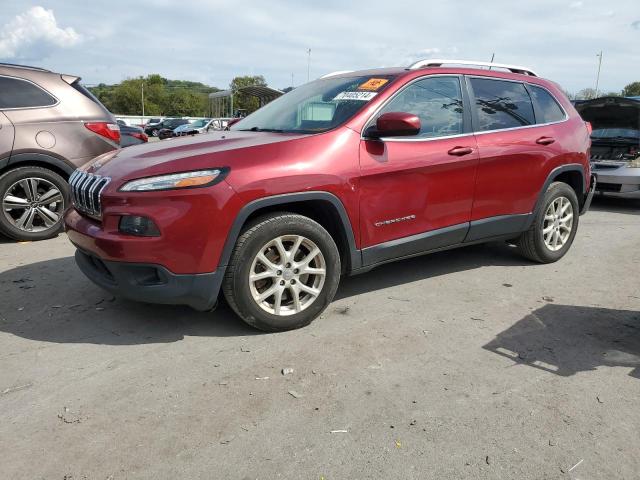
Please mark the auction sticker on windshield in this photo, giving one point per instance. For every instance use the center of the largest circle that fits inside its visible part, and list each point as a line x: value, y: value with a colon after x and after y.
x: 373, y: 84
x: 360, y: 96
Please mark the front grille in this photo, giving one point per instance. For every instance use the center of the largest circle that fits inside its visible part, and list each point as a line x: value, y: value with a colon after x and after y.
x: 85, y: 192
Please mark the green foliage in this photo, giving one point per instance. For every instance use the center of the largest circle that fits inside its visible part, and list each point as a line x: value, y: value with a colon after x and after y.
x: 631, y: 90
x: 161, y: 97
x: 242, y: 100
x: 171, y: 98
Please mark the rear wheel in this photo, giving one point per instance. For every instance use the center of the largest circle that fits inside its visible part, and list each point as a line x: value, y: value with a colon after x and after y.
x: 283, y: 273
x: 33, y: 201
x: 554, y: 226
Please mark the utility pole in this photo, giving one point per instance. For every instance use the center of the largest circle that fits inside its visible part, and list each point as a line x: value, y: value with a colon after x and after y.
x: 493, y: 55
x: 599, y: 55
x: 142, y: 91
x: 308, y: 64
x: 292, y: 80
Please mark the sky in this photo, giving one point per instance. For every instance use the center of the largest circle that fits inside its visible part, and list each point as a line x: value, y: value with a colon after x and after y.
x: 214, y: 41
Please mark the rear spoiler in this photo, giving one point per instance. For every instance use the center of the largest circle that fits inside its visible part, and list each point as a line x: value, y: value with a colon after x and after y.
x: 70, y: 79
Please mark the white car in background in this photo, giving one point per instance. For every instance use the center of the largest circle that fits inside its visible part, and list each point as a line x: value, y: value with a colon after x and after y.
x: 200, y: 126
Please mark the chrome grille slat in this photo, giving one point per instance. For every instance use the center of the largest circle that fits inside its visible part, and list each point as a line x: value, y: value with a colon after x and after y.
x: 86, y: 191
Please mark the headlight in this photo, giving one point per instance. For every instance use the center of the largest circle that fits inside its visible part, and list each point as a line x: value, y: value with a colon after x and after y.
x: 200, y: 178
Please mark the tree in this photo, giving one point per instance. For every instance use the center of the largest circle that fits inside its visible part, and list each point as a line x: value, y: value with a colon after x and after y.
x: 243, y: 100
x: 631, y: 90
x: 161, y: 96
x: 586, y: 94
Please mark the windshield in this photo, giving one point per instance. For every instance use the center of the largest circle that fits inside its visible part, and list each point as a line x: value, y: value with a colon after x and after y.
x: 615, y: 133
x: 199, y: 123
x: 317, y: 106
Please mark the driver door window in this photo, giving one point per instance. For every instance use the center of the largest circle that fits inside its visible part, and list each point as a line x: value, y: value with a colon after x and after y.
x: 437, y: 101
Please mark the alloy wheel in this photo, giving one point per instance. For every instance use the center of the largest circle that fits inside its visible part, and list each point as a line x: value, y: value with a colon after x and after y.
x: 33, y: 204
x: 557, y: 224
x: 287, y: 275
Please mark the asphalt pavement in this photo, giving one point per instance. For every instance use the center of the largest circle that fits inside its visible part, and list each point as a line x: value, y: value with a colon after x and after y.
x: 472, y: 363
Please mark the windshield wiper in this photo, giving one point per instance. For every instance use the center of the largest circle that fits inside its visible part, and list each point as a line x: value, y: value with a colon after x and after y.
x: 258, y: 129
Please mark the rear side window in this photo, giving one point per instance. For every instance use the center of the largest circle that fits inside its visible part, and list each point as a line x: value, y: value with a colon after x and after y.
x: 17, y: 93
x: 549, y: 110
x: 501, y: 104
x: 84, y: 91
x: 437, y: 101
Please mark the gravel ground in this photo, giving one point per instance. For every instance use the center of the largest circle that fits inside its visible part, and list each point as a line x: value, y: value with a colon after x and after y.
x: 465, y: 364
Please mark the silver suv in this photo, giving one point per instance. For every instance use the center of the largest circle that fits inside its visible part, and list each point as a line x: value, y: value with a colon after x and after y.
x: 49, y: 125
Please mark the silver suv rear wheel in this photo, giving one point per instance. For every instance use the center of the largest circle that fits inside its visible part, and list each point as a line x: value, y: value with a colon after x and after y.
x: 33, y: 200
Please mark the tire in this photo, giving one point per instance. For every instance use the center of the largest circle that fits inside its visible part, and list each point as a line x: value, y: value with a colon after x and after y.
x: 43, y: 219
x: 281, y: 275
x: 540, y: 243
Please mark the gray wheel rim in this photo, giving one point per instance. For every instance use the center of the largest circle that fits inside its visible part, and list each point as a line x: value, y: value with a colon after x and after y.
x: 33, y: 205
x: 287, y: 275
x: 558, y: 223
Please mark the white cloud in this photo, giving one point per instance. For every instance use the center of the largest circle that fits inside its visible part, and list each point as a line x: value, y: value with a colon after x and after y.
x: 636, y: 25
x: 34, y: 34
x: 577, y: 4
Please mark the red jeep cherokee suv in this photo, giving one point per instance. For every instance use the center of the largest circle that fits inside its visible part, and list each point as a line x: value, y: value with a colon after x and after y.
x: 336, y: 177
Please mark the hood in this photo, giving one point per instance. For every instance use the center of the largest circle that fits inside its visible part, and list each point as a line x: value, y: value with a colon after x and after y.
x: 219, y: 149
x: 610, y: 112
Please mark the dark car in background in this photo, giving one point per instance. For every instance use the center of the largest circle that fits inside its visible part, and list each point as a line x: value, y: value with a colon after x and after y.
x: 151, y: 127
x: 615, y: 143
x: 166, y: 124
x: 49, y: 126
x: 131, y: 135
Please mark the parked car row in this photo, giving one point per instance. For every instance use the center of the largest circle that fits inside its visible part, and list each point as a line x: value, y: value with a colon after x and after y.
x: 193, y: 127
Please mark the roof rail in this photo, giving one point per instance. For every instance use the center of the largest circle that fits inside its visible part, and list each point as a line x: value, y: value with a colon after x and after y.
x: 333, y: 74
x: 438, y: 62
x: 27, y: 67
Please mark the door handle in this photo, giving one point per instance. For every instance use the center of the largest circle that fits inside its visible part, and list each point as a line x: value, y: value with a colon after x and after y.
x: 545, y: 140
x: 460, y: 151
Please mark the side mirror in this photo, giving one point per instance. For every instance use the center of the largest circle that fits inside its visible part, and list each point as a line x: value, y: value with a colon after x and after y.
x: 394, y: 124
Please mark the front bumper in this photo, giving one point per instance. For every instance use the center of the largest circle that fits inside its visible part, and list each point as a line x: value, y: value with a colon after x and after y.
x: 617, y: 180
x: 151, y: 283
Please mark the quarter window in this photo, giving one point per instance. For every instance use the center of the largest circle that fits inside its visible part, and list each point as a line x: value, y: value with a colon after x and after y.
x: 437, y: 101
x: 501, y: 104
x: 549, y: 110
x: 16, y: 93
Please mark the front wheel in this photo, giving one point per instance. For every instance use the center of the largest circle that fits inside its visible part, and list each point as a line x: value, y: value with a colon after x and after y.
x: 33, y: 201
x: 554, y: 226
x: 283, y: 273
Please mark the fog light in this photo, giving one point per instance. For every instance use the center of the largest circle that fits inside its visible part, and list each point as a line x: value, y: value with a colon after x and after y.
x: 140, y: 226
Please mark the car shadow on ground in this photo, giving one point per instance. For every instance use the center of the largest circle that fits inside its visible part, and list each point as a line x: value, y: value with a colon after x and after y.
x: 52, y: 301
x: 629, y: 206
x: 565, y: 339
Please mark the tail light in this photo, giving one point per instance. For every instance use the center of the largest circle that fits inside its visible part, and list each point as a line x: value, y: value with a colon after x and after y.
x: 589, y: 127
x: 140, y: 136
x: 110, y: 131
